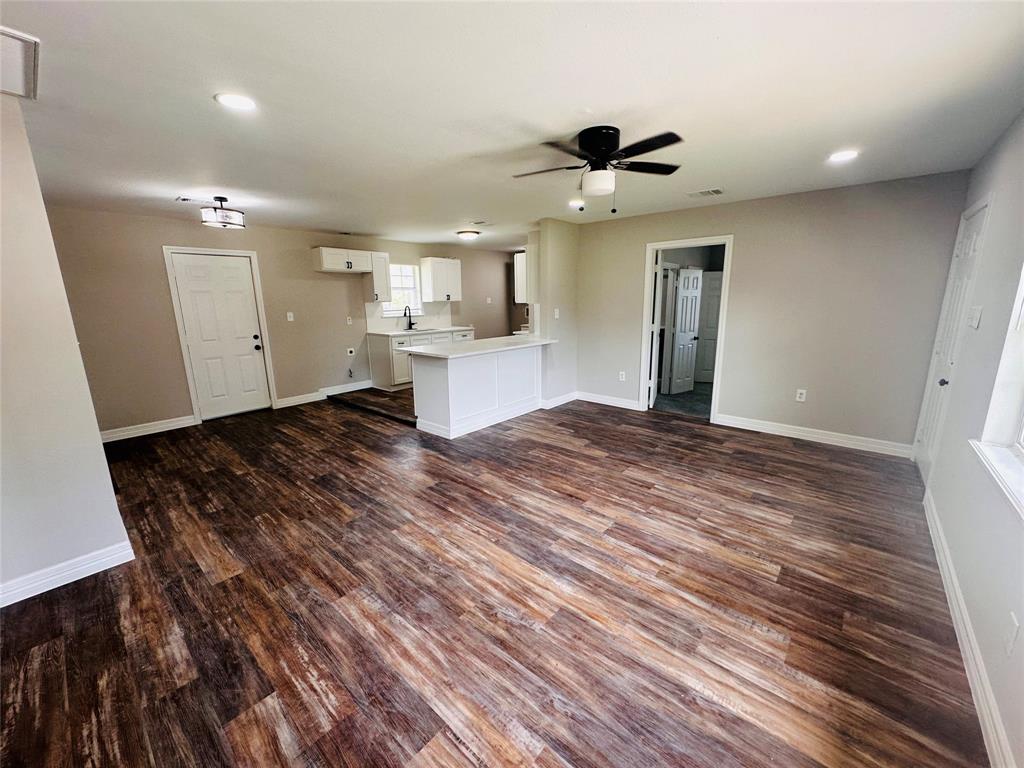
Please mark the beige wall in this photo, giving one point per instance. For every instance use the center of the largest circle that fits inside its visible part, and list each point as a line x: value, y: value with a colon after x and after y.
x: 984, y: 531
x: 558, y: 266
x: 835, y: 291
x: 56, y: 502
x: 113, y: 267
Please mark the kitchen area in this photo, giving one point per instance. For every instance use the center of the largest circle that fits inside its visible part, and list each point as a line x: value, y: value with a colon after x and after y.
x: 444, y: 336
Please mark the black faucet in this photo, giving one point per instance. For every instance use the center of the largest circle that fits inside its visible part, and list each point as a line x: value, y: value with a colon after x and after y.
x: 407, y: 313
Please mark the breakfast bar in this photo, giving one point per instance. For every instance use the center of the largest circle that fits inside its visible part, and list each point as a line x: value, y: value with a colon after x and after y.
x: 462, y: 387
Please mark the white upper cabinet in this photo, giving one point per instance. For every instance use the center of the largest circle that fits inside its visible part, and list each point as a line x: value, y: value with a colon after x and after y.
x: 342, y: 260
x: 441, y: 279
x: 378, y: 282
x: 520, y: 278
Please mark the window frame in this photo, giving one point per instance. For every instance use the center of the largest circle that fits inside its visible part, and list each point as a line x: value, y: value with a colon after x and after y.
x: 392, y: 308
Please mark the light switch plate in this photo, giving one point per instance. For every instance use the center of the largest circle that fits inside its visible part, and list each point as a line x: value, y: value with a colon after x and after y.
x: 556, y: 313
x: 348, y: 320
x: 290, y: 316
x: 974, y: 317
x: 488, y: 299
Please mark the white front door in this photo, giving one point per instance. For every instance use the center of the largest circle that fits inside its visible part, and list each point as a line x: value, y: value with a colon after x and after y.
x: 952, y: 318
x: 707, y: 328
x: 684, y: 336
x: 222, y: 332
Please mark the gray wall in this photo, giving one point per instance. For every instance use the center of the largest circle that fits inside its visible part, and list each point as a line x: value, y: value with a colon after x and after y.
x: 836, y: 291
x: 57, y: 502
x: 558, y: 265
x: 984, y: 531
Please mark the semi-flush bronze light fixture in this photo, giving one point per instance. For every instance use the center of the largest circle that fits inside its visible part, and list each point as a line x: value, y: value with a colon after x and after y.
x: 224, y: 218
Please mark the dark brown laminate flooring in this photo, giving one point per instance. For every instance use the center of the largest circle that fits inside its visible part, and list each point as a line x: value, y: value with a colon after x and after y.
x: 586, y: 586
x: 396, y: 405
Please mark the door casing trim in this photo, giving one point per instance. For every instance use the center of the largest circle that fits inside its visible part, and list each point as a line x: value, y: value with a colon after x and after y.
x: 648, y: 307
x: 261, y: 313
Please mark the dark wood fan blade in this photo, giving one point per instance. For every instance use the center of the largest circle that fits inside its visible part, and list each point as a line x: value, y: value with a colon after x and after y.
x: 662, y: 169
x: 569, y: 149
x: 550, y: 170
x: 647, y: 145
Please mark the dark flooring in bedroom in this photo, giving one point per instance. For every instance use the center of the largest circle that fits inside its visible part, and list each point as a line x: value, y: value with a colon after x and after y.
x: 585, y: 586
x: 696, y: 403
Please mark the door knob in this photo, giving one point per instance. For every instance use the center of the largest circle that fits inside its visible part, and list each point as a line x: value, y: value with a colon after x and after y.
x: 943, y: 382
x: 257, y: 347
x: 695, y: 338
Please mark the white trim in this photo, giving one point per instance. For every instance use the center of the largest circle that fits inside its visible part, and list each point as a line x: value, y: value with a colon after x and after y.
x: 1006, y: 465
x: 60, y: 574
x: 321, y: 394
x: 817, y: 435
x: 261, y: 315
x: 647, y: 321
x: 554, y: 402
x: 616, y: 402
x: 997, y: 742
x: 475, y: 423
x: 152, y: 427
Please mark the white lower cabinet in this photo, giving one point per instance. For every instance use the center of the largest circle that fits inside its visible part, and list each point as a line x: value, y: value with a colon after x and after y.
x: 390, y: 365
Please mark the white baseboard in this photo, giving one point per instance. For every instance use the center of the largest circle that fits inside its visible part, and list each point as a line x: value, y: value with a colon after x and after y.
x: 152, y: 427
x: 617, y: 402
x: 887, y: 447
x: 58, y: 575
x: 997, y: 742
x: 321, y: 394
x: 554, y: 402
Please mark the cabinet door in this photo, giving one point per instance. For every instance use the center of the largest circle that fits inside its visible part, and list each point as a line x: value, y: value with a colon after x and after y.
x: 453, y: 287
x: 519, y: 278
x: 380, y: 278
x: 401, y: 366
x: 359, y: 261
x: 333, y: 259
x: 429, y: 275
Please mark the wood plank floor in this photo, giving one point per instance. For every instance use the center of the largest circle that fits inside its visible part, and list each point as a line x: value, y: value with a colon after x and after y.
x: 586, y: 586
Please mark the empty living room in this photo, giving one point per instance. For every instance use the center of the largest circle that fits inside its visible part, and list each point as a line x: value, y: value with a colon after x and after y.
x: 483, y: 384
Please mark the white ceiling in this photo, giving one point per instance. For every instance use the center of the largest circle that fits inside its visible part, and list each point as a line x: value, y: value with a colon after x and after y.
x: 408, y: 120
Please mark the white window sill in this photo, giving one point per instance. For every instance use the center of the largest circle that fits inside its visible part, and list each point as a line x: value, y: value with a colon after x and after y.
x: 1006, y: 466
x: 400, y: 313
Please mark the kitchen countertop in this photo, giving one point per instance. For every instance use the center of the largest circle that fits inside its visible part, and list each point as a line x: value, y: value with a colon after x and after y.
x: 415, y: 331
x: 478, y: 347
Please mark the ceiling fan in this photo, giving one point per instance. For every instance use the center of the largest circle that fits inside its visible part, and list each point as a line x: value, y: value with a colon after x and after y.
x: 598, y: 148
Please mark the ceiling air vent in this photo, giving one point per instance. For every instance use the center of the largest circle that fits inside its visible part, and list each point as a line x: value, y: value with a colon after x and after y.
x: 714, y: 192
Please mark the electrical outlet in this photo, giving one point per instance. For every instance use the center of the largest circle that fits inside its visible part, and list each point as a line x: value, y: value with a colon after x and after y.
x: 556, y: 313
x: 348, y: 320
x: 291, y: 317
x: 622, y: 375
x: 801, y: 395
x: 351, y: 351
x: 488, y: 299
x: 1012, y: 634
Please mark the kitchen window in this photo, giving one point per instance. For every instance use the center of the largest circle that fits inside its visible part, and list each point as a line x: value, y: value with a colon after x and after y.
x: 405, y: 291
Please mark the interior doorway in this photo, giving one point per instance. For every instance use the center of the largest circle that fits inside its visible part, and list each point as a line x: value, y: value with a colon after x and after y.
x: 683, y: 305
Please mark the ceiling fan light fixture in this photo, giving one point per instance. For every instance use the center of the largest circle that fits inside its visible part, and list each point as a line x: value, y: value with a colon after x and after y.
x: 598, y: 183
x: 221, y: 217
x: 467, y: 234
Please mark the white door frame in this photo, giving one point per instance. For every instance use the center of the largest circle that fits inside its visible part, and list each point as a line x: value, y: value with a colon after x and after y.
x: 261, y: 314
x: 647, y: 320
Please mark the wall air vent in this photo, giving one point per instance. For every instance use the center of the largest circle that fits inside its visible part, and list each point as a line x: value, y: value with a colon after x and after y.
x: 714, y: 192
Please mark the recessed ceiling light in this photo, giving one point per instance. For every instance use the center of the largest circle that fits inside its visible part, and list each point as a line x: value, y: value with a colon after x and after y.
x: 575, y: 203
x: 235, y: 101
x: 467, y: 234
x: 843, y: 156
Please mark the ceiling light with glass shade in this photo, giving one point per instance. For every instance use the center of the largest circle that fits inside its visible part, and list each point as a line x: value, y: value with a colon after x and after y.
x: 221, y: 217
x: 467, y: 234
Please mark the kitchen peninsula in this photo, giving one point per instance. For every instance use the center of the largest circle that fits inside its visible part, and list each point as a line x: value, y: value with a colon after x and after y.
x: 460, y: 387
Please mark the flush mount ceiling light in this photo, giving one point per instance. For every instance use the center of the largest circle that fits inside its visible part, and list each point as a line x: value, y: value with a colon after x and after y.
x: 598, y: 183
x: 467, y: 234
x: 221, y: 217
x: 235, y: 101
x: 843, y: 156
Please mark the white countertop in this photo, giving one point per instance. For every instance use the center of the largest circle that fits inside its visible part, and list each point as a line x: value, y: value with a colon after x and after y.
x: 478, y: 347
x: 415, y: 331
